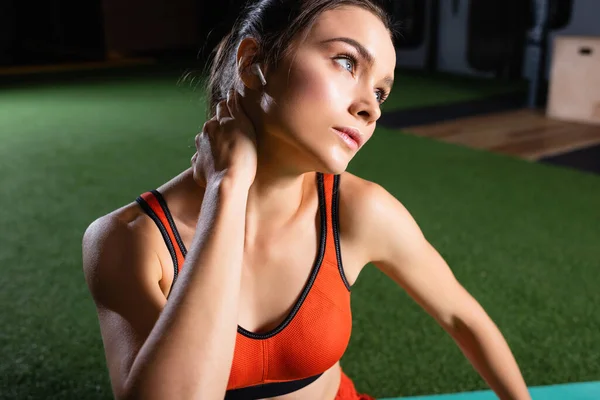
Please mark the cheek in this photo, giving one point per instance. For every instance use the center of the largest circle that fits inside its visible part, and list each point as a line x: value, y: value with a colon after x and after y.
x: 313, y: 88
x: 310, y: 98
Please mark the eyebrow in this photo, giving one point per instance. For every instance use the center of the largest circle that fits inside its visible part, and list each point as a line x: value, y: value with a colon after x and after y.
x: 362, y: 52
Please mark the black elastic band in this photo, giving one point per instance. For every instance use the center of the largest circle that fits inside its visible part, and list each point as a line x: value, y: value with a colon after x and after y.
x: 269, y: 389
x: 165, y: 208
x: 335, y: 218
x: 314, y: 272
x: 163, y: 230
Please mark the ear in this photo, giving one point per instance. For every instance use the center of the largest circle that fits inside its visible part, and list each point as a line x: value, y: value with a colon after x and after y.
x: 246, y: 55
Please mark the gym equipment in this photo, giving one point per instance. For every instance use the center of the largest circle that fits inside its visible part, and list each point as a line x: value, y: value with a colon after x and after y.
x: 575, y: 69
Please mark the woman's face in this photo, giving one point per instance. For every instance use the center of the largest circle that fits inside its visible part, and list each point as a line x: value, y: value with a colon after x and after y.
x: 334, y: 80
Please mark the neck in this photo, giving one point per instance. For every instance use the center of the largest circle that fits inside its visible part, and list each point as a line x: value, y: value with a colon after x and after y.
x: 280, y: 187
x: 275, y: 197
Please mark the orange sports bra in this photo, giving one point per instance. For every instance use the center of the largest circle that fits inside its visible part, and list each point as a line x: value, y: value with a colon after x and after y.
x: 315, y: 334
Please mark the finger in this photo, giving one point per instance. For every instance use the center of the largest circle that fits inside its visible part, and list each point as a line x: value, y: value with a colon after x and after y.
x: 235, y: 107
x: 222, y: 110
x: 218, y: 111
x: 208, y: 128
x: 201, y: 138
x: 230, y: 99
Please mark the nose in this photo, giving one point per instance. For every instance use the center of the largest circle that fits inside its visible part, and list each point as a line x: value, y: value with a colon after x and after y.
x: 365, y: 106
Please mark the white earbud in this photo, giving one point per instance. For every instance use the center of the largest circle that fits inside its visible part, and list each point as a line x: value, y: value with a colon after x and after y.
x: 258, y: 71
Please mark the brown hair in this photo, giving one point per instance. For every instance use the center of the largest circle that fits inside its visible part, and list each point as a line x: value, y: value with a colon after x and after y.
x: 273, y: 24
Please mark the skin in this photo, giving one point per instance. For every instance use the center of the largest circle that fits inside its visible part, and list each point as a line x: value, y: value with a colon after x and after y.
x: 307, y: 95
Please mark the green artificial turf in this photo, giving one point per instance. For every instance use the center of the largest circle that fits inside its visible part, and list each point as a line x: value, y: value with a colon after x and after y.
x: 414, y: 89
x: 522, y: 237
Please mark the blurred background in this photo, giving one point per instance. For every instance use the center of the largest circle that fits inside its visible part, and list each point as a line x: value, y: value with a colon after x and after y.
x: 491, y: 138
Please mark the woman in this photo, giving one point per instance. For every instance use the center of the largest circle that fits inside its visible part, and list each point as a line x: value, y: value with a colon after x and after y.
x: 228, y: 281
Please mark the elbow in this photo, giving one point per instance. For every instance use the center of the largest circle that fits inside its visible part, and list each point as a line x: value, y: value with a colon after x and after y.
x: 132, y: 394
x: 124, y: 394
x: 464, y: 316
x: 130, y: 391
x: 468, y: 325
x: 456, y: 326
x: 137, y: 392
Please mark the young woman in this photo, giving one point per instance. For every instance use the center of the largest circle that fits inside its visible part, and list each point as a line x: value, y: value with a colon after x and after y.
x: 233, y: 279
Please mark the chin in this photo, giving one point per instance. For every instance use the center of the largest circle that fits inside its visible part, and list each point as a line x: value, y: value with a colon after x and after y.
x: 321, y: 154
x: 335, y: 162
x: 331, y: 171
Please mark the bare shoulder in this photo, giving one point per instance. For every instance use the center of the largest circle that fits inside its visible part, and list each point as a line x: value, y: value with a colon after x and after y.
x: 122, y: 237
x: 373, y: 217
x: 362, y: 200
x: 355, y: 196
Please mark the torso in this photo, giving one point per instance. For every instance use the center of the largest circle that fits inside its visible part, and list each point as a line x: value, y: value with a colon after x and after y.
x: 275, y: 271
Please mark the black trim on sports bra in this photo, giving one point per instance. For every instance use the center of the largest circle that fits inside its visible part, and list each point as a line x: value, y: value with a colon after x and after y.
x: 313, y: 274
x: 269, y: 389
x: 150, y: 212
x: 335, y: 217
x: 163, y: 205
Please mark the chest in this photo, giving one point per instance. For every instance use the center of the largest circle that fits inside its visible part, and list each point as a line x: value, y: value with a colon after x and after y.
x: 275, y: 271
x: 277, y: 266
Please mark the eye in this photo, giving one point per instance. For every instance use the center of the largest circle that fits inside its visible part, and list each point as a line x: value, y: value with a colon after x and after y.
x: 347, y: 61
x: 381, y: 95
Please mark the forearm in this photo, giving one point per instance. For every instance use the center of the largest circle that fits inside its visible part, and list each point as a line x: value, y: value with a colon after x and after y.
x: 190, y: 350
x: 483, y: 344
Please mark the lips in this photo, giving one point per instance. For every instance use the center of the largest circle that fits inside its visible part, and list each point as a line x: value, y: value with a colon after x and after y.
x: 353, y: 133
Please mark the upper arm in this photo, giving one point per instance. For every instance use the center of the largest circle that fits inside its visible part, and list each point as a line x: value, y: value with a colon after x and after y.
x: 398, y: 248
x: 122, y: 277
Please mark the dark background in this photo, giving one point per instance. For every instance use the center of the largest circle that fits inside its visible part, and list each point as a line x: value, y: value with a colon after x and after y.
x: 492, y: 38
x: 60, y: 31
